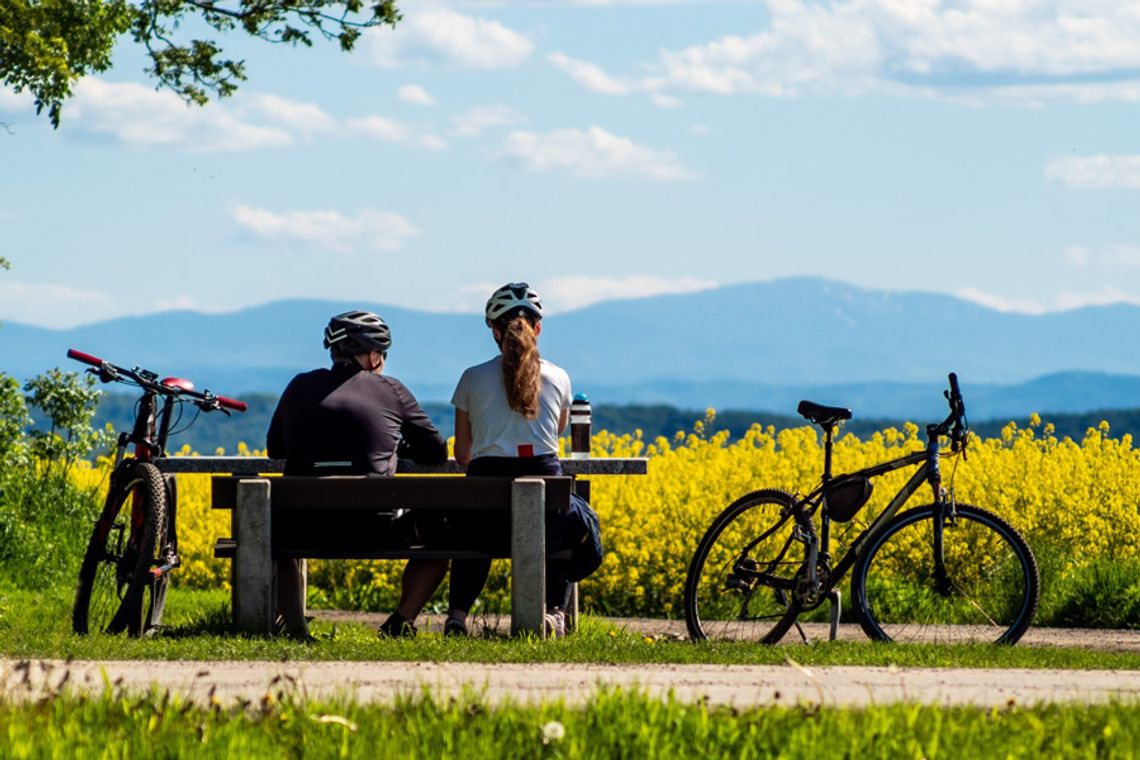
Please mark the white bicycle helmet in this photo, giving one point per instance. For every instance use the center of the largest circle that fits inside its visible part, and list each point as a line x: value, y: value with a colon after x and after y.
x: 358, y: 332
x: 512, y: 299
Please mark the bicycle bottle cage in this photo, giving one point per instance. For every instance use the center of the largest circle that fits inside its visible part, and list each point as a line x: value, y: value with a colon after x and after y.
x: 846, y: 495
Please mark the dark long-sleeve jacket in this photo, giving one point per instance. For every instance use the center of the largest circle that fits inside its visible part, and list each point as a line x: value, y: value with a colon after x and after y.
x: 345, y: 420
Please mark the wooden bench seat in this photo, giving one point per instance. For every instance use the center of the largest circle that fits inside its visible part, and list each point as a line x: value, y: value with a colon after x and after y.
x: 346, y: 517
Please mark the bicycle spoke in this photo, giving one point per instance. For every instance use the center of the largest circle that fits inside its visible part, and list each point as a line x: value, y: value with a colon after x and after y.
x: 732, y: 590
x: 983, y: 590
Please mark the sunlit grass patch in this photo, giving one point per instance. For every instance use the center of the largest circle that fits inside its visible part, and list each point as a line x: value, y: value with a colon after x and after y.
x: 37, y: 625
x: 612, y: 723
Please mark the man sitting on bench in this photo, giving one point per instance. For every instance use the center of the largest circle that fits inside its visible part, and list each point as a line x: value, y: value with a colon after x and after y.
x: 346, y: 420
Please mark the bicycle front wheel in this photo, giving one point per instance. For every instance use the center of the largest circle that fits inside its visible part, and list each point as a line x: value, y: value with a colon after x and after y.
x: 115, y: 574
x: 740, y: 580
x: 935, y: 577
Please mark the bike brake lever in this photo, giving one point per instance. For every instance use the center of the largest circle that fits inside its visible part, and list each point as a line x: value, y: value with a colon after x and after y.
x: 104, y: 373
x: 211, y: 404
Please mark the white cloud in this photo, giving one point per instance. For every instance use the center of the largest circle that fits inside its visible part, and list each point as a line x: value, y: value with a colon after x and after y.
x: 561, y: 294
x: 184, y: 302
x: 637, y: 2
x: 379, y: 128
x: 473, y: 121
x: 330, y: 230
x: 1078, y: 255
x: 472, y: 298
x: 15, y: 103
x: 1095, y: 172
x: 999, y: 302
x: 53, y: 305
x: 442, y: 34
x: 138, y: 115
x: 1112, y: 257
x: 306, y: 118
x: 1016, y: 51
x: 432, y: 142
x: 1065, y: 300
x: 664, y: 101
x: 416, y: 95
x: 589, y: 75
x: 1123, y: 256
x: 593, y: 153
x: 383, y: 129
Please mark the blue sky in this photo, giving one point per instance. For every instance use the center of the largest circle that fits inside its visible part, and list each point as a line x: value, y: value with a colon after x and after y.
x: 986, y: 148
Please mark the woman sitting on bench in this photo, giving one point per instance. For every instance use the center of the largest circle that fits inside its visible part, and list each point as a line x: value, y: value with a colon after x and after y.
x: 509, y: 412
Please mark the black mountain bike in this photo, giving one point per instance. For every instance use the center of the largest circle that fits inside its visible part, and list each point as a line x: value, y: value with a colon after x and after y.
x: 134, y: 546
x: 945, y: 572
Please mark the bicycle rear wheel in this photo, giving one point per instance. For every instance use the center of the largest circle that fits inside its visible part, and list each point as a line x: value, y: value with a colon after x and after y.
x: 740, y: 579
x: 115, y: 574
x: 985, y: 589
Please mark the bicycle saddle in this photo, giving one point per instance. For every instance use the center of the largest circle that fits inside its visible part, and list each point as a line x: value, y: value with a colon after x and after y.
x: 824, y: 416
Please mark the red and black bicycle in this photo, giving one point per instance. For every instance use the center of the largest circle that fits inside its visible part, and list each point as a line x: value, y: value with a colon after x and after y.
x: 134, y: 546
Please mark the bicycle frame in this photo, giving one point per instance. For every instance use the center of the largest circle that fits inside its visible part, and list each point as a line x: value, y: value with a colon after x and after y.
x: 928, y: 472
x: 804, y: 509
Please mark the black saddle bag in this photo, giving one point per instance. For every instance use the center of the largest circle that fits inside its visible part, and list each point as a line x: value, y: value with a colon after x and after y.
x: 846, y: 495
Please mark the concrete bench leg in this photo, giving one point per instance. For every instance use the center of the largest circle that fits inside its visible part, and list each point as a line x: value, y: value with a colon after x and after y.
x: 528, y: 555
x: 253, y: 591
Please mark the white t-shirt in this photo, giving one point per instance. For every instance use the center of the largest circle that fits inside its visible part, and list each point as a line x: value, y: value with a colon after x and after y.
x: 499, y: 431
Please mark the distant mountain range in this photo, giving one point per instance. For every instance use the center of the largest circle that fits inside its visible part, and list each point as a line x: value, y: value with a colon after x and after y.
x: 754, y: 346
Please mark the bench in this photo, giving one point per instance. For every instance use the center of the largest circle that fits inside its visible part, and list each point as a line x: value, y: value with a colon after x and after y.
x: 350, y: 517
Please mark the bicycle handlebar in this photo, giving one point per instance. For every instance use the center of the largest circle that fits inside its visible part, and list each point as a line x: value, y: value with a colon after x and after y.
x: 956, y: 424
x: 955, y: 391
x: 108, y: 372
x: 231, y: 403
x: 85, y: 358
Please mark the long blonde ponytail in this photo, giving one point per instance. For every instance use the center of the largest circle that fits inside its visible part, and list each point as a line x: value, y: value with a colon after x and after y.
x: 522, y: 370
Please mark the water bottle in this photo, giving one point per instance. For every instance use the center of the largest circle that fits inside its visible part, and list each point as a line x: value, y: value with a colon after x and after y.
x: 580, y: 427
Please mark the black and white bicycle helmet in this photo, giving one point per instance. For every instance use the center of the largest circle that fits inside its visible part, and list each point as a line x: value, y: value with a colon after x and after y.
x: 358, y: 332
x: 512, y: 299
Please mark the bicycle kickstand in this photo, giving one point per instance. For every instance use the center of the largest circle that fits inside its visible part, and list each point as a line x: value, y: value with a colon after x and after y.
x: 836, y: 608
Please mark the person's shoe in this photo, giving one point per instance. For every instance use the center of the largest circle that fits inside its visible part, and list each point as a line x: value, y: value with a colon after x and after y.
x: 554, y: 623
x: 396, y: 627
x: 454, y: 627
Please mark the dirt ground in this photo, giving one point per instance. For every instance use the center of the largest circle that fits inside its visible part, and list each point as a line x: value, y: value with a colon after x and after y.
x: 1085, y: 638
x: 740, y: 686
x: 735, y: 685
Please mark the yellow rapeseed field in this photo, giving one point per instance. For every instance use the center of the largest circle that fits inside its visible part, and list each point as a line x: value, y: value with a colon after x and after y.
x: 1075, y: 501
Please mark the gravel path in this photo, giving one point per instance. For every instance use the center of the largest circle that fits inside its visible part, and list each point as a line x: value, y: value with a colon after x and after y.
x: 740, y: 686
x: 718, y: 684
x: 1084, y: 638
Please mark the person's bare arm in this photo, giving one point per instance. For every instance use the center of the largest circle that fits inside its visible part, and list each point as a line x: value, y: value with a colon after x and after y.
x: 563, y: 419
x: 462, y: 437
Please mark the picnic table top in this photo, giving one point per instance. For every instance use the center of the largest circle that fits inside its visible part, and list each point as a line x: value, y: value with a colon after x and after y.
x: 235, y: 465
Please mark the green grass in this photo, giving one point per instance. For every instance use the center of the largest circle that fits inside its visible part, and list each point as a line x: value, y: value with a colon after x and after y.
x: 612, y: 723
x: 38, y: 625
x: 42, y: 519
